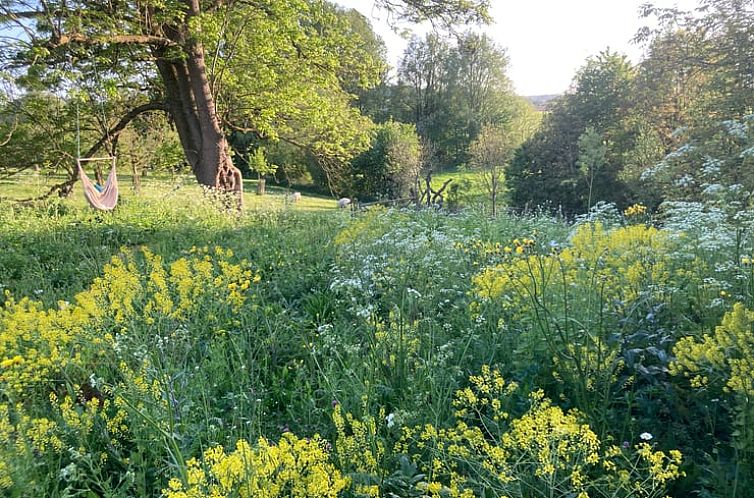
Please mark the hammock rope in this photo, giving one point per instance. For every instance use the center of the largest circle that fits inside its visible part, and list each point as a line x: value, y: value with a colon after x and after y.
x: 102, y: 197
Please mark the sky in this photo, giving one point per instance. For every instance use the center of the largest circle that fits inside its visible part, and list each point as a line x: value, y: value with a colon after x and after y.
x: 546, y: 40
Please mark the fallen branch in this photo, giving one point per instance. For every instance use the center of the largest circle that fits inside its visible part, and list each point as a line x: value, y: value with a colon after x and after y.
x: 439, y: 192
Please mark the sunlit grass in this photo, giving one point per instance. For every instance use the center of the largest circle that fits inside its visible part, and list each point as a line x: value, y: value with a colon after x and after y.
x: 162, y: 188
x: 467, y: 188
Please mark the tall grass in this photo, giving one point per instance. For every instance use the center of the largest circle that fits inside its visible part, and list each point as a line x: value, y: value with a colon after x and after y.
x: 162, y: 348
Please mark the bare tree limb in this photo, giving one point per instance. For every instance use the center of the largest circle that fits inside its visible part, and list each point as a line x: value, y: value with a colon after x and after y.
x: 10, y: 133
x: 157, y: 41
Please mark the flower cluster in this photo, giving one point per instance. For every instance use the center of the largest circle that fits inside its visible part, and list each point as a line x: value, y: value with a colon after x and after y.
x: 725, y: 357
x: 73, y: 426
x: 176, y: 291
x: 359, y: 450
x: 484, y: 251
x: 543, y: 452
x: 624, y: 262
x: 635, y: 210
x: 295, y: 468
x: 70, y: 361
x: 37, y: 344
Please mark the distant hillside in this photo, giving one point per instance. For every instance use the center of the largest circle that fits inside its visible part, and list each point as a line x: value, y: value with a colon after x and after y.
x: 541, y: 102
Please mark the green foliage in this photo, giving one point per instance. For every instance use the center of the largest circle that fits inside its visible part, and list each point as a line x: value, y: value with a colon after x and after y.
x: 258, y: 163
x: 149, y: 359
x: 684, y: 105
x: 279, y: 69
x: 546, y: 168
x: 391, y: 166
x: 541, y: 452
x: 150, y: 145
x: 489, y: 155
x: 592, y: 152
x: 39, y: 129
x: 303, y: 54
x: 467, y: 189
x: 161, y: 347
x: 605, y: 276
x: 719, y: 365
x: 472, y: 11
x: 711, y: 166
x: 451, y: 91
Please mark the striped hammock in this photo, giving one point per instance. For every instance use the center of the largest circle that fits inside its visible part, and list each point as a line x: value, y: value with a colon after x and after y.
x: 103, y: 197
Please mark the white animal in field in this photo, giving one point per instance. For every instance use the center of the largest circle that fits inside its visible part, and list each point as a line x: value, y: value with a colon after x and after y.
x: 344, y: 202
x: 296, y: 196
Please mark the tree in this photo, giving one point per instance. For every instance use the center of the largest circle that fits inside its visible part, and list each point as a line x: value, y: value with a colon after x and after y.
x: 455, y: 89
x: 695, y: 89
x: 525, y: 119
x: 372, y: 101
x: 592, y: 158
x: 423, y: 69
x: 389, y: 168
x: 546, y: 170
x: 480, y: 90
x: 262, y: 167
x: 714, y: 40
x: 267, y: 67
x: 149, y: 144
x: 35, y: 133
x: 490, y: 153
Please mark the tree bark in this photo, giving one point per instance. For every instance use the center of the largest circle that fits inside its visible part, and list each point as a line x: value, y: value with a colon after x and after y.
x: 192, y: 106
x: 135, y: 179
x: 180, y: 61
x: 494, y: 201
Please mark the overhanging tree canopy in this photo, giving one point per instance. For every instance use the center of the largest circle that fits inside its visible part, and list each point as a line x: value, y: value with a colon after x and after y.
x: 265, y: 66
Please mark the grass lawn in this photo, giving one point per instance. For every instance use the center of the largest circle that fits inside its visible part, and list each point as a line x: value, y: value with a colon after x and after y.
x: 160, y: 188
x: 466, y: 190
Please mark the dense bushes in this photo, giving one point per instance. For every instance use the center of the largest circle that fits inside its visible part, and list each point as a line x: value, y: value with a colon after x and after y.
x: 391, y: 166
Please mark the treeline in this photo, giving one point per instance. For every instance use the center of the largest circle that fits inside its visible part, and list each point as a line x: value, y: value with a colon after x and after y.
x: 313, y: 102
x: 677, y: 126
x: 304, y: 95
x: 426, y: 117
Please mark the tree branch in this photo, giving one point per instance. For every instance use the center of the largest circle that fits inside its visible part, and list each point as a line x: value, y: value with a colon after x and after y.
x: 113, y: 132
x: 10, y: 133
x: 64, y: 189
x: 157, y: 41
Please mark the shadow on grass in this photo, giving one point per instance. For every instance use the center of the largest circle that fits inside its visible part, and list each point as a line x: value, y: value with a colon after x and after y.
x: 51, y: 258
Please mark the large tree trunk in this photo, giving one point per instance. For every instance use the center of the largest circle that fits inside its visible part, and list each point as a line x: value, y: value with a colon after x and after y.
x: 192, y: 107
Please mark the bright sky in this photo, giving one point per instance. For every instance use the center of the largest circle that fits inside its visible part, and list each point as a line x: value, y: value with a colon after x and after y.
x: 546, y: 40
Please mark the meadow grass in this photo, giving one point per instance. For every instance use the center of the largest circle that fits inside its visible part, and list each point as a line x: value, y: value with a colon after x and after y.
x: 171, y: 349
x: 162, y: 187
x: 467, y: 190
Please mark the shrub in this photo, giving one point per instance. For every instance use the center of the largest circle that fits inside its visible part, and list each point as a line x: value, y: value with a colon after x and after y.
x: 390, y: 167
